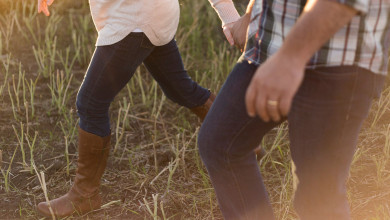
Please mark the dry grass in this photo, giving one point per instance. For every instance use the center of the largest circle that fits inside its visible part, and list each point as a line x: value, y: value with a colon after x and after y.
x: 154, y: 171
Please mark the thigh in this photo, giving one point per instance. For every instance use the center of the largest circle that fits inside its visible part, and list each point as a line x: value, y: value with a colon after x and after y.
x: 326, y: 117
x: 227, y: 125
x: 226, y: 142
x: 166, y: 67
x: 113, y: 66
x: 324, y: 123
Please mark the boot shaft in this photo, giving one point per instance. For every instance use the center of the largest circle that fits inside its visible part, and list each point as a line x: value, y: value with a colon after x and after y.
x: 93, y: 154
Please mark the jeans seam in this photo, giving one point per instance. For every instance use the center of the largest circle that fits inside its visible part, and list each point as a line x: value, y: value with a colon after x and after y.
x: 349, y: 109
x: 115, y: 46
x: 175, y: 88
x: 351, y: 99
x: 374, y: 86
x: 100, y: 76
x: 230, y: 167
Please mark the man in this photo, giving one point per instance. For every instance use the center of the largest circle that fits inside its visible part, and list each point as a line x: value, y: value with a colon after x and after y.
x: 317, y: 64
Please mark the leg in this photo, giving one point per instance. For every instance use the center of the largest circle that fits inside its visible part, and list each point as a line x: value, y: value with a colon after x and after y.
x: 110, y: 69
x: 226, y: 142
x: 324, y: 123
x: 166, y: 67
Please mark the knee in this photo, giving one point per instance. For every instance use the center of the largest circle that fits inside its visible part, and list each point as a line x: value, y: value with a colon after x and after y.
x: 210, y: 149
x: 203, y: 144
x: 317, y: 195
x: 81, y: 106
x: 89, y: 108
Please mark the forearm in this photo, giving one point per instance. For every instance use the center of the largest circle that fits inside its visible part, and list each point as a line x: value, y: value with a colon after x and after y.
x: 250, y: 6
x: 320, y: 20
x: 225, y: 10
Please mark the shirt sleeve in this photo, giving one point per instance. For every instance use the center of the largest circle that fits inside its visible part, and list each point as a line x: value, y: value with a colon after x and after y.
x: 225, y: 10
x: 359, y: 5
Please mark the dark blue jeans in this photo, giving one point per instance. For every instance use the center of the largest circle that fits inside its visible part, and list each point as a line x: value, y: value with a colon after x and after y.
x: 324, y: 122
x: 113, y: 66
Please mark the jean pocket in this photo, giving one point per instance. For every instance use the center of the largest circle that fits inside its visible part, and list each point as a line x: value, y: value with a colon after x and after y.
x: 334, y: 72
x: 328, y: 85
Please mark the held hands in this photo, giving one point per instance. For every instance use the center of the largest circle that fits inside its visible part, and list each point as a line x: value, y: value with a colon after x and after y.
x: 43, y: 6
x: 272, y: 88
x: 228, y: 34
x: 236, y: 32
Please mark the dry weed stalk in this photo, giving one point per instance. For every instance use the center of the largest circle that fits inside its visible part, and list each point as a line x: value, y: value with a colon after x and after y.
x: 42, y: 181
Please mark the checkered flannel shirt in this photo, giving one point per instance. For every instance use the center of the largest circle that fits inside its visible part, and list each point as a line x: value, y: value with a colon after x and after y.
x: 364, y: 41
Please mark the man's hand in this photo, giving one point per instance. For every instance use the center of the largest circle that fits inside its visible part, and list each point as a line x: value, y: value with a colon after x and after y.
x: 236, y: 32
x: 240, y: 30
x: 276, y: 81
x: 272, y: 88
x: 43, y: 6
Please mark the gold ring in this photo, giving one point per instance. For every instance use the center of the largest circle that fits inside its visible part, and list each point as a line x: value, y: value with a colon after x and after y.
x: 272, y: 103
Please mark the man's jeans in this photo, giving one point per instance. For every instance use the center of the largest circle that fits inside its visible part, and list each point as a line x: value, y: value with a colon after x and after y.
x: 324, y: 122
x: 113, y: 66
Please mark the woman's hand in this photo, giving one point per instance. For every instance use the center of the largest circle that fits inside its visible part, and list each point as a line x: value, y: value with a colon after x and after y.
x: 43, y: 6
x: 240, y: 30
x: 236, y: 32
x: 228, y: 33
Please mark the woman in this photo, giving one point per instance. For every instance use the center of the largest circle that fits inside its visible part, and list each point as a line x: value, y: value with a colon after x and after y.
x: 129, y: 33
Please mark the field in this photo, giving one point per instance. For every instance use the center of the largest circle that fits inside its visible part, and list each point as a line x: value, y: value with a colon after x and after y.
x: 154, y: 170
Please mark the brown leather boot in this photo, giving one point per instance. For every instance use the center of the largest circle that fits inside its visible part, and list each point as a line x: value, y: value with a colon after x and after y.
x: 201, y: 111
x: 84, y: 194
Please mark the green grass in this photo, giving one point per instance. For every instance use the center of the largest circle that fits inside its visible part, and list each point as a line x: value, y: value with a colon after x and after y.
x: 154, y: 171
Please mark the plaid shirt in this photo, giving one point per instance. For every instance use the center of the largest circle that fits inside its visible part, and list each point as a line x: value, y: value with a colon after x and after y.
x: 364, y: 41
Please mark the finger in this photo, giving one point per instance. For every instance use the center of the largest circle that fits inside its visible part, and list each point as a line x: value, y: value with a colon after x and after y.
x: 234, y: 35
x: 261, y: 106
x: 39, y: 6
x: 238, y: 42
x: 49, y: 2
x: 45, y: 9
x: 228, y: 36
x: 241, y: 46
x: 285, y: 104
x: 250, y: 100
x: 273, y: 108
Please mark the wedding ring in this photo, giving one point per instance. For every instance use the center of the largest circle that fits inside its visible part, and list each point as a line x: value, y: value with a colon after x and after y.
x: 272, y: 103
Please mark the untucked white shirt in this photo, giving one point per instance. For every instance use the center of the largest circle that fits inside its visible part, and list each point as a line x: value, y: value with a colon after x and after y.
x: 137, y: 30
x: 158, y: 19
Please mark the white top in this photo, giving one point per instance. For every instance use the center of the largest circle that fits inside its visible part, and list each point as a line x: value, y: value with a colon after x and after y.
x: 158, y: 19
x: 137, y: 30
